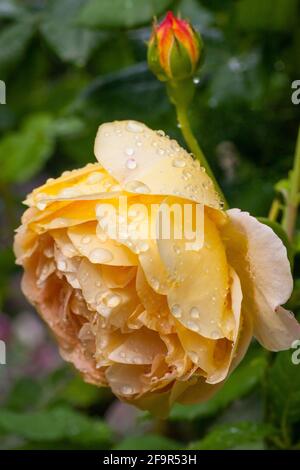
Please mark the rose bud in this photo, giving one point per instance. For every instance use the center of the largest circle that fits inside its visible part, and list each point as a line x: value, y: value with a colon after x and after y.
x: 153, y: 319
x: 174, y: 49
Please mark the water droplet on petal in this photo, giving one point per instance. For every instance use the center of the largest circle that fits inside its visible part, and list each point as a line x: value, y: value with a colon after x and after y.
x: 129, y: 151
x: 176, y: 310
x: 178, y: 163
x: 100, y: 255
x: 160, y: 151
x: 112, y: 300
x: 186, y: 174
x: 131, y: 164
x: 94, y: 178
x: 86, y: 240
x: 194, y: 312
x: 192, y: 326
x: 143, y: 246
x: 133, y: 126
x: 155, y: 283
x: 137, y: 187
x: 194, y: 356
x: 126, y: 390
x: 216, y: 334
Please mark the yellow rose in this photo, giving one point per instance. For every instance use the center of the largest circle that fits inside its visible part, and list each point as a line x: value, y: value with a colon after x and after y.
x: 154, y: 320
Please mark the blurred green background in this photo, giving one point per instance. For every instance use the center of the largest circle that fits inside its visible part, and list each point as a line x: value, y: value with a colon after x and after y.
x: 70, y: 65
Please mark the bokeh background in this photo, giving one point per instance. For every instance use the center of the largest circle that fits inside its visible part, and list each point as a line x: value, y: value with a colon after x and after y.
x: 70, y: 65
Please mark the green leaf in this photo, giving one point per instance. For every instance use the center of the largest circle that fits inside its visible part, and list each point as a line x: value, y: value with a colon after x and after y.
x: 239, y: 384
x: 280, y: 232
x: 23, y: 153
x: 11, y: 9
x: 232, y: 436
x: 57, y: 424
x: 148, y: 442
x: 121, y: 13
x: 79, y: 393
x: 267, y: 15
x: 7, y: 266
x: 72, y: 43
x: 25, y: 393
x: 283, y: 387
x: 68, y: 126
x: 13, y: 42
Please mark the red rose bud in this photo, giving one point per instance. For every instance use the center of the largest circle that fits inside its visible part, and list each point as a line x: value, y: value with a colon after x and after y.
x: 174, y: 49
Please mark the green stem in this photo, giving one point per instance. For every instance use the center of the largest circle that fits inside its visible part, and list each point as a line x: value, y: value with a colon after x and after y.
x: 292, y: 204
x: 192, y: 143
x: 274, y: 211
x: 181, y: 94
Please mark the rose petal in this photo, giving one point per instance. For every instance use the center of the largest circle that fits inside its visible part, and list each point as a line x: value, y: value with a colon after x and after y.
x: 99, y: 251
x: 198, y: 293
x: 260, y: 259
x: 144, y: 161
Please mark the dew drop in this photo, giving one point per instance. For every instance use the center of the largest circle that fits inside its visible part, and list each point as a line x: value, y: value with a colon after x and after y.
x: 104, y: 310
x: 216, y: 334
x: 194, y: 312
x: 133, y: 126
x: 176, y: 310
x: 186, y: 174
x: 194, y: 356
x: 112, y: 300
x: 129, y: 151
x: 131, y: 164
x: 126, y: 390
x: 178, y: 163
x: 94, y: 178
x: 68, y: 192
x: 137, y: 187
x: 155, y: 283
x: 143, y: 246
x: 100, y: 255
x: 86, y: 240
x: 192, y: 326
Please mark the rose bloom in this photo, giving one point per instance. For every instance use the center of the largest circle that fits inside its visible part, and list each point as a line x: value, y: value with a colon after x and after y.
x: 156, y: 322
